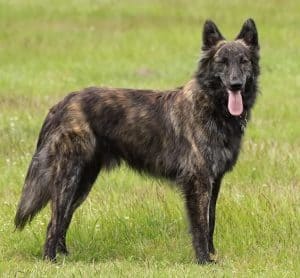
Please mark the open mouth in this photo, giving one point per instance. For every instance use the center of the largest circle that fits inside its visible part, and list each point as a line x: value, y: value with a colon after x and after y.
x: 235, y: 102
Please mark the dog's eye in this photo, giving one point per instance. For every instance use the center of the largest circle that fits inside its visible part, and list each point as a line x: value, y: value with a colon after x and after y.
x: 244, y: 60
x: 222, y: 60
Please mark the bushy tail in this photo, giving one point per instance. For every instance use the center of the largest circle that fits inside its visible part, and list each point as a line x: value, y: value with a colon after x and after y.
x: 36, y: 191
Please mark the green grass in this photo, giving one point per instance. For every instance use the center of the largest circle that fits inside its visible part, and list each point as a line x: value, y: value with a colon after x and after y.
x: 132, y: 226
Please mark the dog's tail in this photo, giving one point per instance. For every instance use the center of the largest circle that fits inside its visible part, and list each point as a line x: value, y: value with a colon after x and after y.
x: 36, y: 191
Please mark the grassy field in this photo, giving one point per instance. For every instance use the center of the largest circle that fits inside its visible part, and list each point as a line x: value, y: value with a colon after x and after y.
x: 132, y: 226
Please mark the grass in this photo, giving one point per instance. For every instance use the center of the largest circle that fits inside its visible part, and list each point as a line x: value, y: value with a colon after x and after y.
x: 133, y: 226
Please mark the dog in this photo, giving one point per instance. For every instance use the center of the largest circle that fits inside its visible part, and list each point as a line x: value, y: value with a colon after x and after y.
x: 190, y: 135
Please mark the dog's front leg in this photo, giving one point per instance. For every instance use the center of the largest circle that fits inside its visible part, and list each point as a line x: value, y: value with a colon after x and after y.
x: 197, y: 195
x: 212, y: 213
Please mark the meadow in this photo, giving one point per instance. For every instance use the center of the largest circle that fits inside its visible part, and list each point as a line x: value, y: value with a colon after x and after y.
x: 133, y: 226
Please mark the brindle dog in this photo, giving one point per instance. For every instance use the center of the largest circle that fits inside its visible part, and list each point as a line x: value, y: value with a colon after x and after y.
x: 190, y: 135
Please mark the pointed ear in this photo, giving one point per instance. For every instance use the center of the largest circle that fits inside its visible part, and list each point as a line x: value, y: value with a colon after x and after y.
x: 249, y: 34
x: 211, y: 35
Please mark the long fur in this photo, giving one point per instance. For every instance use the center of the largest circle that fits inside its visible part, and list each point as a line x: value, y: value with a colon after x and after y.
x: 186, y: 135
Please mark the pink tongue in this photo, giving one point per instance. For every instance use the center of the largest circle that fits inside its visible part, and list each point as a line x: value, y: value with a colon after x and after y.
x: 235, y: 103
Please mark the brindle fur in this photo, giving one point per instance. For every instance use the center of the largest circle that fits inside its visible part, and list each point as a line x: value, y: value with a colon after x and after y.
x: 185, y: 135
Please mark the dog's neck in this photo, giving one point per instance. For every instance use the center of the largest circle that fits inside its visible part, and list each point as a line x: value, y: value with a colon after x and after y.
x: 205, y: 105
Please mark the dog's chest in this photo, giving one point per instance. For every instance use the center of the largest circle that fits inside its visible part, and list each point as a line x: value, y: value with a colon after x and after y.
x: 221, y: 150
x: 222, y: 159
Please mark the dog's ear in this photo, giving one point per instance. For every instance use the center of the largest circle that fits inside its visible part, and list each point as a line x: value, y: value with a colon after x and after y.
x: 249, y: 34
x: 211, y: 35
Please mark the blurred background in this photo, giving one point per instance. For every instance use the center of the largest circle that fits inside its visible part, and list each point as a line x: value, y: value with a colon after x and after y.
x: 132, y: 225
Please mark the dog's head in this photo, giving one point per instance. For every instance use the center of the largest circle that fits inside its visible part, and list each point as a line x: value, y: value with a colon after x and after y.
x: 229, y: 70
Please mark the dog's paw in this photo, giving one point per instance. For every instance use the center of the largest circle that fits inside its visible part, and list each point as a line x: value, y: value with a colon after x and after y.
x: 203, y: 260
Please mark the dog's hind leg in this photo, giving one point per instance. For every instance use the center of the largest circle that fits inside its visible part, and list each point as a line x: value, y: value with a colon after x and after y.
x: 66, y: 178
x: 88, y: 177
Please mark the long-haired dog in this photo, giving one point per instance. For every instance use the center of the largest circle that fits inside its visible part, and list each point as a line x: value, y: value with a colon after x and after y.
x: 190, y: 135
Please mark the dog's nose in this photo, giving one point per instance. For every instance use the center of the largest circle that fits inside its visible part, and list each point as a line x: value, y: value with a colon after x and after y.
x: 236, y: 85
